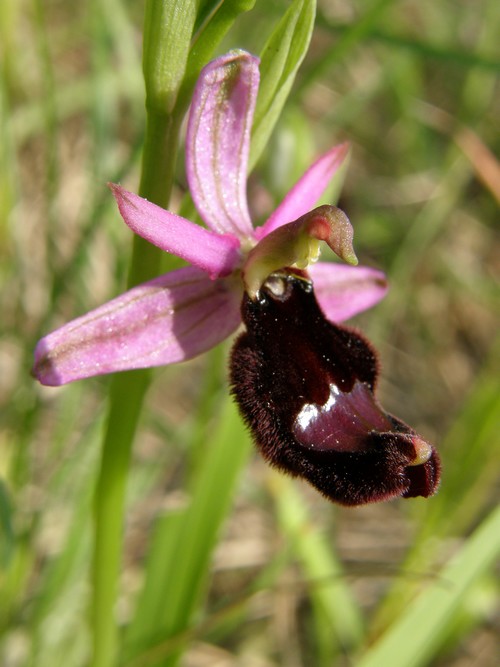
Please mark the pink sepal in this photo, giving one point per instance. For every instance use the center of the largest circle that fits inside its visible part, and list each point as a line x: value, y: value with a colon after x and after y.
x: 306, y: 193
x: 216, y: 254
x: 218, y: 142
x: 169, y: 319
x: 344, y: 291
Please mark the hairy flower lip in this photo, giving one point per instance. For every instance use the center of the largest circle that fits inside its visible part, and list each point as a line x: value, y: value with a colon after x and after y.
x: 422, y: 478
x: 305, y: 388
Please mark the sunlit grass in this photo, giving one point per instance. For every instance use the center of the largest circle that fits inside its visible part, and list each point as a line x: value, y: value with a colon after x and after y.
x: 223, y: 560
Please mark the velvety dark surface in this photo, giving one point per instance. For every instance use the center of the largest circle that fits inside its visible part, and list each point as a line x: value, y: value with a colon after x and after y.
x: 305, y: 387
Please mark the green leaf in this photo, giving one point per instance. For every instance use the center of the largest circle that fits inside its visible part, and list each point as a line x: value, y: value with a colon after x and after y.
x: 470, y: 462
x: 280, y: 60
x: 372, y: 13
x: 178, y: 566
x: 336, y: 610
x: 471, y: 452
x: 6, y: 530
x: 414, y: 638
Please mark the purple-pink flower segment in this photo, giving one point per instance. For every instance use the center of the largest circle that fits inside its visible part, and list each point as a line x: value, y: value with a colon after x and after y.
x: 185, y: 312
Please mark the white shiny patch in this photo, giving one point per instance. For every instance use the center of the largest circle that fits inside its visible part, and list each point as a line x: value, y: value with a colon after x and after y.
x: 311, y: 411
x: 342, y: 422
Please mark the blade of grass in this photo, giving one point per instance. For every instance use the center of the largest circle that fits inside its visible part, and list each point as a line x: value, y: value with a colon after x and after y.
x: 475, y: 431
x: 104, y: 108
x: 420, y: 48
x: 74, y: 475
x: 413, y: 638
x: 350, y: 39
x: 478, y: 95
x: 471, y: 454
x: 184, y: 542
x: 9, y: 177
x: 280, y: 59
x: 7, y: 538
x: 336, y: 610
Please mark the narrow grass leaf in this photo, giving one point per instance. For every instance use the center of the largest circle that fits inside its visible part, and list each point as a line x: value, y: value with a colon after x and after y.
x: 6, y: 529
x: 145, y: 627
x: 348, y: 40
x: 190, y: 541
x: 75, y: 477
x: 413, y: 639
x: 328, y: 587
x: 471, y: 453
x: 280, y: 60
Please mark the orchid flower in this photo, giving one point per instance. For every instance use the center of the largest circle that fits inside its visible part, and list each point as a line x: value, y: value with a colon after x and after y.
x: 183, y: 313
x: 241, y: 273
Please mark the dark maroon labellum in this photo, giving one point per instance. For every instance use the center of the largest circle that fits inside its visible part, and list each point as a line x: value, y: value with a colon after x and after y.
x: 305, y: 387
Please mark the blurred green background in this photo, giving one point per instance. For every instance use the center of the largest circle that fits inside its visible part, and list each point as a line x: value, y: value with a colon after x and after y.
x: 414, y: 87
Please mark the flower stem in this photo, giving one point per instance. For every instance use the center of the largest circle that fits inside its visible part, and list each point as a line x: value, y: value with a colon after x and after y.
x: 125, y: 401
x: 127, y: 391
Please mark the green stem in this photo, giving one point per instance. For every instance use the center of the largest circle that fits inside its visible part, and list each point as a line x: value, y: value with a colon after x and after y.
x: 126, y: 397
x: 125, y: 401
x: 158, y: 170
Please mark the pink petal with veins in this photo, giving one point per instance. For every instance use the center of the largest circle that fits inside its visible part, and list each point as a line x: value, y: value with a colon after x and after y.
x: 216, y: 254
x: 306, y: 193
x: 344, y: 291
x: 169, y: 319
x: 218, y: 141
